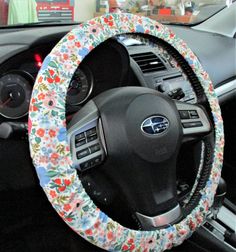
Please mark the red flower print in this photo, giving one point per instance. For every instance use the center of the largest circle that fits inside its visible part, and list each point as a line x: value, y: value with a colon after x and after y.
x: 62, y: 188
x: 67, y: 207
x: 52, y: 133
x: 65, y: 56
x: 182, y: 231
x: 57, y: 181
x: 211, y: 87
x: 41, y: 96
x: 77, y: 44
x: 130, y: 241
x: 67, y: 182
x: 199, y: 219
x: 171, y: 237
x: 125, y: 248
x: 33, y: 100
x: 206, y: 205
x: 51, y: 72
x: 132, y: 247
x: 40, y: 132
x: 61, y: 214
x: 54, y: 156
x: 40, y: 79
x: 192, y: 225
x: 34, y: 108
x: 92, y: 22
x: 172, y: 35
x: 169, y: 245
x: 29, y: 126
x: 110, y: 235
x: 89, y: 232
x: 50, y: 80
x: 110, y: 23
x: 71, y: 37
x: 57, y: 79
x: 53, y: 194
x: 97, y: 224
x: 106, y: 20
x: 69, y: 219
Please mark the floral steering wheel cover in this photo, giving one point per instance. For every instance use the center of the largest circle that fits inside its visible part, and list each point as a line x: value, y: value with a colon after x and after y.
x: 50, y: 149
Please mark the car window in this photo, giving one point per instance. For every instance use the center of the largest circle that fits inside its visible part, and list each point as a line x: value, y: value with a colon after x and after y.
x: 22, y: 12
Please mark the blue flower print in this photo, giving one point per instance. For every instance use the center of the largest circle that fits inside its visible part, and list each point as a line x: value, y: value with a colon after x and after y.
x: 62, y: 135
x: 43, y: 177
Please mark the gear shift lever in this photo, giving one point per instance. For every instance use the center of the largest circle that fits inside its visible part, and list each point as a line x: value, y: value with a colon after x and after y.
x: 219, y: 198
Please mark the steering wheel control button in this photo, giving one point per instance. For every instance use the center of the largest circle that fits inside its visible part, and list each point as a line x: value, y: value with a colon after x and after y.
x: 80, y: 136
x: 184, y: 114
x: 193, y: 114
x: 91, y: 163
x: 192, y: 124
x: 92, y: 138
x: 84, y: 166
x: 95, y: 161
x: 80, y: 143
x: 89, y: 147
x: 92, y: 131
x: 83, y: 153
x: 95, y: 148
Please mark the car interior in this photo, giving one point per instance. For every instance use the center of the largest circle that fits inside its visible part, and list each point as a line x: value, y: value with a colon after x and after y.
x: 123, y: 62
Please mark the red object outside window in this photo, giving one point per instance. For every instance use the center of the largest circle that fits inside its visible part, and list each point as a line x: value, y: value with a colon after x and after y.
x: 3, y: 12
x: 164, y: 11
x: 60, y: 9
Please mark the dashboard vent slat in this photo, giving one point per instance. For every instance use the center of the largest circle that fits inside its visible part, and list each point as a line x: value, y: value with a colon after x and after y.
x: 148, y: 62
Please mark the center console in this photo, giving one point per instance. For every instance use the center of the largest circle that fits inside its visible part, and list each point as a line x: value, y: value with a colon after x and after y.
x: 219, y: 230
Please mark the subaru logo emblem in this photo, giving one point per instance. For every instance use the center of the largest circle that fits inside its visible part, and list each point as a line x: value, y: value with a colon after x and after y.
x: 155, y: 125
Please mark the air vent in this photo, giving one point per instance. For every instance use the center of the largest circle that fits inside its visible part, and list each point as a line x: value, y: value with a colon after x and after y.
x: 148, y: 62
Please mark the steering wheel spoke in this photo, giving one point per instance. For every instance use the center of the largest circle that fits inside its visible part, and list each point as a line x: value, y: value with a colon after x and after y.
x: 160, y: 220
x: 86, y: 138
x: 194, y: 120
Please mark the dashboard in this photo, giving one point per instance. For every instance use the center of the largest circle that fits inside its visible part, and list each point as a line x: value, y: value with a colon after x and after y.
x: 136, y: 60
x: 126, y: 60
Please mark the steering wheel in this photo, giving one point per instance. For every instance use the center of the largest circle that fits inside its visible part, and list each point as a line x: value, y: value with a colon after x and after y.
x: 135, y: 130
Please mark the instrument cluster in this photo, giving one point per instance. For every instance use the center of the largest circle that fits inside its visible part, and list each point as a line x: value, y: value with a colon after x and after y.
x: 16, y: 88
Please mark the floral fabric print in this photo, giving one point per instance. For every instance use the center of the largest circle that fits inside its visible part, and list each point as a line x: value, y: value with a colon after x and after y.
x: 50, y: 150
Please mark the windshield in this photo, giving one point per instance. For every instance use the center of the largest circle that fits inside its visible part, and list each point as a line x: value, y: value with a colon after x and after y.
x: 36, y: 12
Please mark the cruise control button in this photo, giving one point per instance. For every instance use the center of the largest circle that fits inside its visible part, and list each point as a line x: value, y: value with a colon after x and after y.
x: 91, y: 132
x: 80, y: 143
x: 95, y: 161
x: 95, y: 148
x: 84, y: 165
x: 192, y: 124
x: 80, y: 136
x: 92, y: 138
x: 184, y: 114
x: 193, y: 114
x: 98, y: 160
x: 83, y: 153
